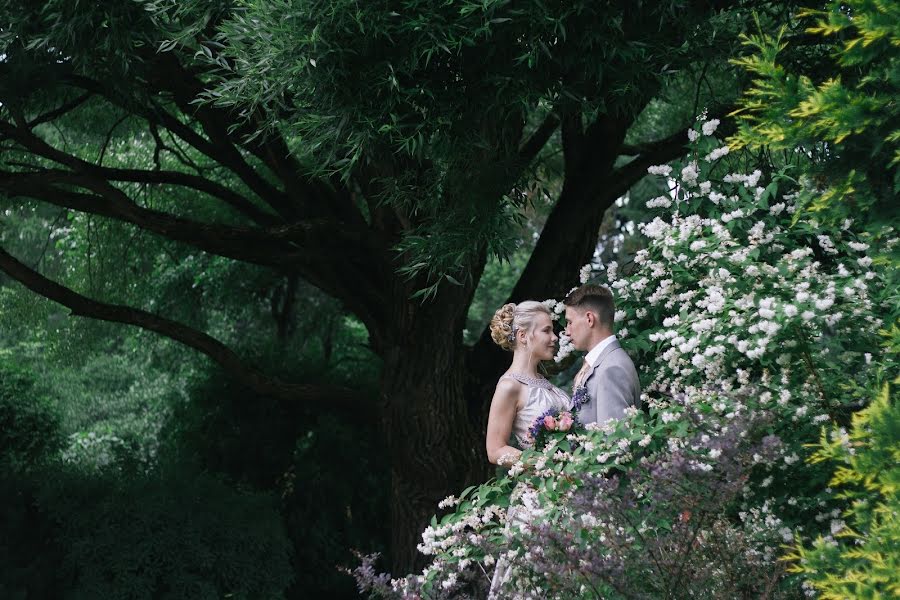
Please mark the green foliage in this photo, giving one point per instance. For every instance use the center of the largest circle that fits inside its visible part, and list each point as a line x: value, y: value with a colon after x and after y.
x: 430, y: 101
x: 30, y: 552
x: 29, y: 428
x: 113, y: 408
x: 174, y: 534
x: 860, y: 558
x: 846, y: 119
x: 67, y: 531
x: 331, y: 474
x: 356, y: 78
x: 178, y: 533
x: 335, y: 495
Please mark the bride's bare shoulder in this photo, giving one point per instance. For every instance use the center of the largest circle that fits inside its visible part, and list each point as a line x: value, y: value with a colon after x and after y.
x: 507, y: 386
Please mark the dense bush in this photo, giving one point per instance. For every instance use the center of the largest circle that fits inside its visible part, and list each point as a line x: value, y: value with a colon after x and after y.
x: 29, y: 437
x: 70, y: 531
x: 173, y: 534
x: 329, y: 472
x: 29, y: 428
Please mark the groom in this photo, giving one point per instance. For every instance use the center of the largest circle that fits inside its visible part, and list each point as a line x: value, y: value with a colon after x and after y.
x: 607, y: 373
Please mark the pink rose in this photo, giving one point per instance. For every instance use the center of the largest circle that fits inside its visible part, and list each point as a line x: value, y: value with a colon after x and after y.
x: 566, y: 421
x: 550, y: 423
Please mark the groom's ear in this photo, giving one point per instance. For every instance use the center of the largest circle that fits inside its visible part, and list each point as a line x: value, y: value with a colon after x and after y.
x: 591, y: 318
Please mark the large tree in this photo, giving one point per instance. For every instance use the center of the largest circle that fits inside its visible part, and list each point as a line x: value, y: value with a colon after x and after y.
x: 380, y: 151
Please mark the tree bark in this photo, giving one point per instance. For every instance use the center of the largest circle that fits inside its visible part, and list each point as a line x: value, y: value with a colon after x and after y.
x: 435, y: 444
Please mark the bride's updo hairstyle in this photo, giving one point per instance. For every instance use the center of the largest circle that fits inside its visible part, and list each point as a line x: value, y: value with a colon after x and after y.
x: 512, y: 318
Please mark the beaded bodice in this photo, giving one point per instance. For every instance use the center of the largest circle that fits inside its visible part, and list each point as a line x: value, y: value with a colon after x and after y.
x: 542, y: 396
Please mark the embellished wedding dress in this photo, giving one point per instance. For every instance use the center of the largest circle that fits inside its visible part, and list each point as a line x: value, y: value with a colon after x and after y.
x: 542, y: 396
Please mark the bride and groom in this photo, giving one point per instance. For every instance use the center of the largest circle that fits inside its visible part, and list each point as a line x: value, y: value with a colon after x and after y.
x: 522, y: 395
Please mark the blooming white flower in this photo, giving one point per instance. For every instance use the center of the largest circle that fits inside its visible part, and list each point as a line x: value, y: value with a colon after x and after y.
x: 858, y: 246
x: 668, y: 417
x: 663, y: 170
x: 689, y: 174
x: 448, y: 502
x: 826, y: 244
x: 611, y: 269
x: 716, y: 154
x: 693, y: 135
x: 585, y: 273
x: 710, y: 126
x: 716, y: 198
x: 659, y: 202
x: 824, y: 303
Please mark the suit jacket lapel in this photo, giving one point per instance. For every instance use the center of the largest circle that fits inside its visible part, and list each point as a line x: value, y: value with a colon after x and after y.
x: 606, y: 352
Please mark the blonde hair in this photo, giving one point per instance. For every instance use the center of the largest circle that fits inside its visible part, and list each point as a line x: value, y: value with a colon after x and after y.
x: 510, y: 318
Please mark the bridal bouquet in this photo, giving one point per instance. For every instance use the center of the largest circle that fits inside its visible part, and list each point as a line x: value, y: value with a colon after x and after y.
x: 552, y: 422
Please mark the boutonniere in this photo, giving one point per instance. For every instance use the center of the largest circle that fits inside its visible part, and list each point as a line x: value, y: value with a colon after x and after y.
x: 580, y: 397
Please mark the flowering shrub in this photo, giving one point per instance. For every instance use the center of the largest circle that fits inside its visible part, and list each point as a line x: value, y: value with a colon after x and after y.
x: 752, y: 327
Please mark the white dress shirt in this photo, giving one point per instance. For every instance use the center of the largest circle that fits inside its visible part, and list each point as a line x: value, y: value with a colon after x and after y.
x: 592, y: 356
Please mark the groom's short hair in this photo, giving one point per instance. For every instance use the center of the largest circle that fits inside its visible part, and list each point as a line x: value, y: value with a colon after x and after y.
x: 595, y: 298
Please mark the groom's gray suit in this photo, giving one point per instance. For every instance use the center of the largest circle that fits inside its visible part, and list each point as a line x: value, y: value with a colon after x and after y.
x: 612, y: 386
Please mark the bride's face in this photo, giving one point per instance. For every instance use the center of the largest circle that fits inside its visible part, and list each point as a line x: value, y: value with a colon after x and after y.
x: 541, y: 341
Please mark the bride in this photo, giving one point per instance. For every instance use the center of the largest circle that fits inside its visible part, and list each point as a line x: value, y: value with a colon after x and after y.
x: 522, y: 395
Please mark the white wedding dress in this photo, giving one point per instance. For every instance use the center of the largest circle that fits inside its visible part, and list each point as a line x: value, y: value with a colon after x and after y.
x: 542, y: 396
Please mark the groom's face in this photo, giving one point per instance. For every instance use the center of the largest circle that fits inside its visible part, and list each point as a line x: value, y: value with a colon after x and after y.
x: 577, y: 327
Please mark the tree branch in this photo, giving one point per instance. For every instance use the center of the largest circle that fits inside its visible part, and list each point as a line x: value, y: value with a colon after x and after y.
x: 108, y: 139
x: 654, y: 153
x: 326, y: 253
x: 224, y: 153
x: 538, y: 139
x: 274, y: 247
x: 55, y: 114
x: 39, y: 147
x: 226, y: 358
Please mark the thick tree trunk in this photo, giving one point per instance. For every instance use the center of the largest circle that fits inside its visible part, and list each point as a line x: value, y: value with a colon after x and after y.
x: 436, y: 443
x: 436, y: 449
